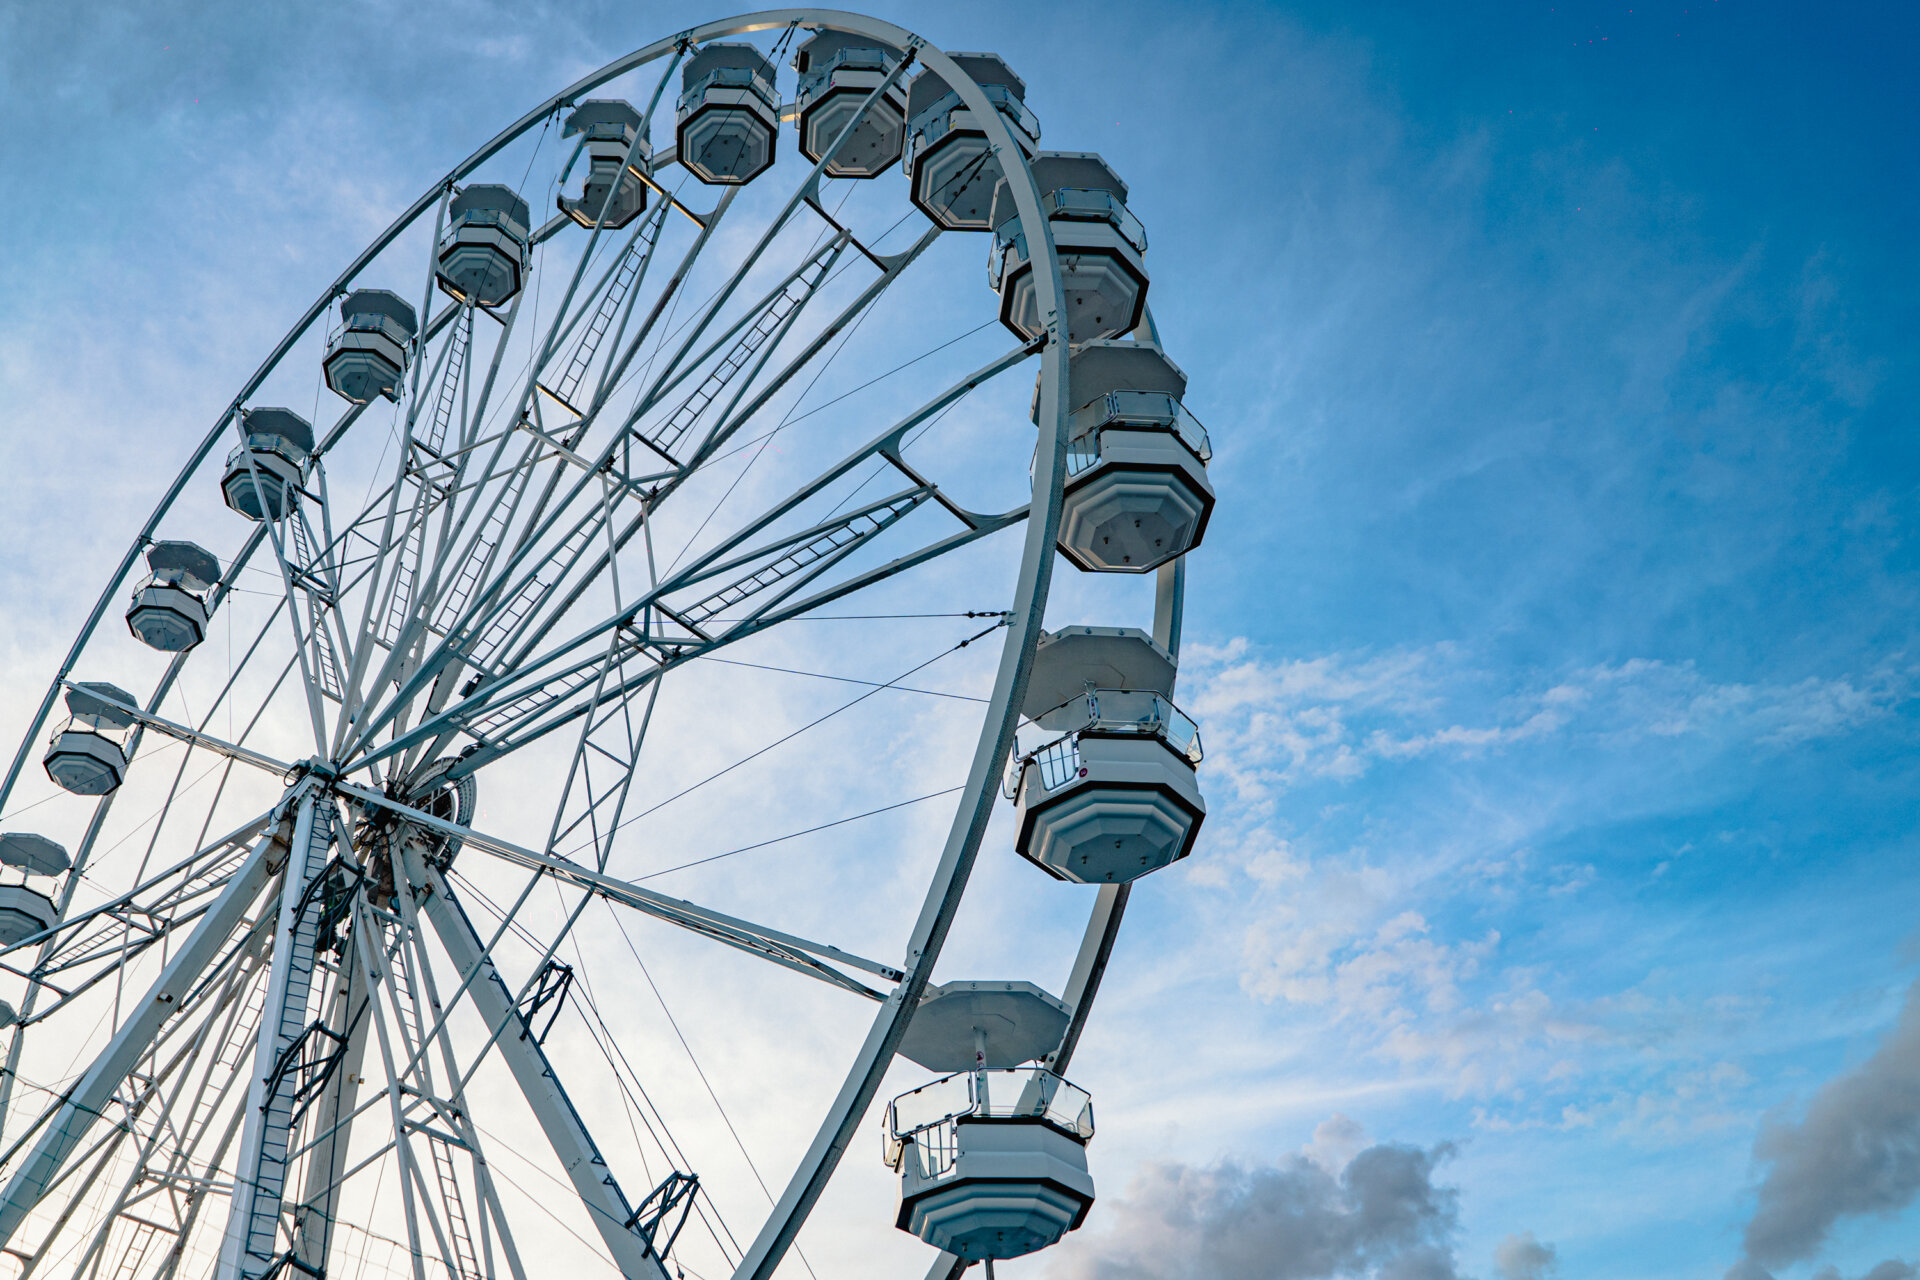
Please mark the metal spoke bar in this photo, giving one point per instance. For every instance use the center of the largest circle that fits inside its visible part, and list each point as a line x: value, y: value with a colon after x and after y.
x: 78, y: 1108
x: 485, y: 604
x: 237, y: 836
x: 962, y: 846
x: 566, y: 1132
x: 192, y: 737
x: 535, y: 674
x: 783, y: 948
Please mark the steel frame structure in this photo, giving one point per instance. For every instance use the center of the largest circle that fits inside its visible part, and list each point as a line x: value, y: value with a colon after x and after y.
x: 286, y: 965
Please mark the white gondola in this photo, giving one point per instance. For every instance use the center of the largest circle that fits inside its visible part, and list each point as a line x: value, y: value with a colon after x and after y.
x: 169, y: 610
x: 948, y: 158
x: 1137, y: 493
x: 729, y: 115
x: 992, y: 1156
x: 483, y: 252
x: 1102, y: 247
x: 367, y: 353
x: 25, y: 911
x: 838, y: 72
x: 88, y: 753
x: 263, y: 473
x: 1113, y: 796
x: 608, y: 128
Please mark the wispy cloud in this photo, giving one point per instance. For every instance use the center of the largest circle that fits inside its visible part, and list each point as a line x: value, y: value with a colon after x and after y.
x: 1277, y: 723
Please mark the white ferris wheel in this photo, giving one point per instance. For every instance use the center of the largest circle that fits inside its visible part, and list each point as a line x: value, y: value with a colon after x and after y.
x: 426, y: 681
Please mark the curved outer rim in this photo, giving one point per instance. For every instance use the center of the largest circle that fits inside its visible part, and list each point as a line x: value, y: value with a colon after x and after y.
x: 1035, y: 574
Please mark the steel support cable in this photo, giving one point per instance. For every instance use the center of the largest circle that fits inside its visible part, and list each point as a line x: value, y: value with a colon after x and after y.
x: 818, y: 374
x: 116, y: 1128
x: 669, y: 335
x: 931, y: 351
x: 505, y: 1144
x: 787, y: 419
x: 673, y: 309
x: 880, y: 467
x: 678, y: 1156
x: 878, y: 617
x: 794, y: 835
x: 565, y: 1186
x: 821, y: 675
x: 670, y: 1148
x: 812, y: 724
x: 764, y: 436
x: 134, y: 830
x: 596, y: 1028
x: 704, y: 1081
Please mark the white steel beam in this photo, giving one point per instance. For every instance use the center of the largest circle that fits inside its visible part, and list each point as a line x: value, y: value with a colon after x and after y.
x: 326, y: 1164
x: 592, y: 1180
x: 68, y: 1124
x: 252, y: 1241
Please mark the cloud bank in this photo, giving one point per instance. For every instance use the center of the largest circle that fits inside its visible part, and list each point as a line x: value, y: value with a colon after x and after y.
x: 1856, y: 1152
x: 1379, y: 1214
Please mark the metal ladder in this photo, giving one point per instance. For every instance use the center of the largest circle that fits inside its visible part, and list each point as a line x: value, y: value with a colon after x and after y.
x: 134, y: 1253
x: 319, y: 600
x: 419, y: 480
x: 287, y: 1025
x: 583, y: 352
x: 482, y: 554
x: 835, y: 538
x: 228, y: 1061
x: 668, y: 434
x: 436, y: 435
x: 465, y: 1264
x: 551, y: 569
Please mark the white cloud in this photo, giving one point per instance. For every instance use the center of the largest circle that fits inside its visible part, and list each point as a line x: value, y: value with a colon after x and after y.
x: 1272, y: 724
x: 1388, y: 934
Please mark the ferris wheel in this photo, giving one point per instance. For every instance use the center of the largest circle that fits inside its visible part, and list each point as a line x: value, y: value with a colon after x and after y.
x: 475, y: 622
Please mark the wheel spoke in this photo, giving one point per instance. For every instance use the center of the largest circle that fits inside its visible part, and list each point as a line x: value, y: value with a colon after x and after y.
x: 816, y: 959
x: 67, y: 1123
x: 613, y: 1216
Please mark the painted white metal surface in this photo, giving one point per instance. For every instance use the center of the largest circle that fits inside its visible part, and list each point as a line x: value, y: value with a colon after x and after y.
x: 428, y: 635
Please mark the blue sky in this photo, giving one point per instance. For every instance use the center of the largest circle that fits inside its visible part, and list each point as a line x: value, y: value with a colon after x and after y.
x: 1553, y: 638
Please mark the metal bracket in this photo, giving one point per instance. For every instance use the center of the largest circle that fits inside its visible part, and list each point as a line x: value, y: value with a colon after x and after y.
x: 316, y: 1067
x: 336, y: 881
x: 290, y: 1264
x: 677, y: 1192
x: 555, y: 981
